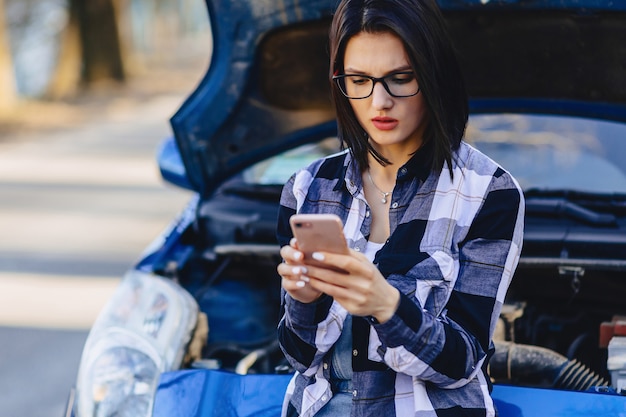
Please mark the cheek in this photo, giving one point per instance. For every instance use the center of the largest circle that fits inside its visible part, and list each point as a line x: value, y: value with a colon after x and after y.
x: 417, y: 105
x: 417, y: 111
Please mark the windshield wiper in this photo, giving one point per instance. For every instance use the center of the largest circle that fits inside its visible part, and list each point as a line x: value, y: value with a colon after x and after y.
x: 563, y: 207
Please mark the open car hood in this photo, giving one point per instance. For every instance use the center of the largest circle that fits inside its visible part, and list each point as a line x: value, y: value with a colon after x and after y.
x: 266, y: 89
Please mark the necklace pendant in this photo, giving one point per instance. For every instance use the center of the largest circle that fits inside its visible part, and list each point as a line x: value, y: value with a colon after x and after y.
x: 384, y: 195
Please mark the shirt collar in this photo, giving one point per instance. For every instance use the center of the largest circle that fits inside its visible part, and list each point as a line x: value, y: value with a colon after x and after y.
x: 419, y: 166
x: 351, y: 175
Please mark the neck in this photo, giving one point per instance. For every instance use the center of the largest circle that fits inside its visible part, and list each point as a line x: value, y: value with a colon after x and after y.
x: 397, y: 154
x: 383, y: 176
x: 379, y: 182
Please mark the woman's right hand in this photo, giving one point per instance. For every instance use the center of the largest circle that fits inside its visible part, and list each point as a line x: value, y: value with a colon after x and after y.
x: 293, y: 273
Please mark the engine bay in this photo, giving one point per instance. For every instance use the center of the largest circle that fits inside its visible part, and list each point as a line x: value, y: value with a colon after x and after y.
x: 550, y: 329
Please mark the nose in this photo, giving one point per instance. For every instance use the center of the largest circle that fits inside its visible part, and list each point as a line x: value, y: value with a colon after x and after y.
x: 381, y: 99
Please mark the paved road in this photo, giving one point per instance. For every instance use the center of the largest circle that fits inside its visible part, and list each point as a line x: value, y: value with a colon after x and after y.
x: 77, y: 207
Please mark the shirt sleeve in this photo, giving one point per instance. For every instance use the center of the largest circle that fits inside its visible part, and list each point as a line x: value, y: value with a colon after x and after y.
x: 306, y: 331
x: 448, y: 349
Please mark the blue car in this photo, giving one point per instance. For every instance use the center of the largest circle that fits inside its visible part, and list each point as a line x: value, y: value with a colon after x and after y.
x: 191, y: 330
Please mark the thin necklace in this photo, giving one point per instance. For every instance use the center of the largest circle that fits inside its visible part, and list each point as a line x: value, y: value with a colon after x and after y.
x: 384, y: 194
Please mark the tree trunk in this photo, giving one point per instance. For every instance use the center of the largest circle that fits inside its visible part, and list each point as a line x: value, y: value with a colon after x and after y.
x: 67, y: 74
x: 8, y: 95
x: 100, y: 40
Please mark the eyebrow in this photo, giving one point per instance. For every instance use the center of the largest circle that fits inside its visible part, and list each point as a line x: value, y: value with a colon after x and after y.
x: 399, y: 69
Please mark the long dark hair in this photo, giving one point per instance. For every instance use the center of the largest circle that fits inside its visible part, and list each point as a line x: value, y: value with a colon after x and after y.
x: 421, y: 27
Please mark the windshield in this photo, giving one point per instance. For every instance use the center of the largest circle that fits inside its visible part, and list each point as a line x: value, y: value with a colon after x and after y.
x: 554, y: 152
x: 542, y: 152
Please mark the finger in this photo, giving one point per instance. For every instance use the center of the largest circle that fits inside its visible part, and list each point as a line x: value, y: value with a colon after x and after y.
x: 358, y: 255
x: 361, y: 277
x: 301, y: 291
x: 291, y: 255
x: 292, y: 285
x: 347, y: 297
x: 291, y: 272
x: 348, y: 263
x: 330, y: 276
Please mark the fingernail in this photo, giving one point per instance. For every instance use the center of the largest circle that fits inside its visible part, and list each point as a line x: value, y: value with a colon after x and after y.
x: 300, y: 284
x: 299, y: 270
x: 318, y: 256
x: 305, y: 278
x: 298, y: 256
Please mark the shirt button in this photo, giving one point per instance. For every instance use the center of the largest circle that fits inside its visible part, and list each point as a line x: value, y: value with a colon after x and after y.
x: 394, y: 205
x: 325, y: 365
x: 357, y: 249
x: 367, y: 213
x: 324, y: 398
x: 354, y: 393
x: 355, y: 352
x: 402, y: 171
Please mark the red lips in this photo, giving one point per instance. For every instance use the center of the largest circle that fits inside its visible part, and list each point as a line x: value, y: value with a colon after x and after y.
x: 384, y: 123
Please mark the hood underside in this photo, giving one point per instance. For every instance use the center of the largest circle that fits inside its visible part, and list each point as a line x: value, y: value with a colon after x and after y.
x: 267, y: 90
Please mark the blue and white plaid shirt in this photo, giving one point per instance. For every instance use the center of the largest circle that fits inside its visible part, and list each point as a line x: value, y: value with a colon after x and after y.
x: 453, y: 248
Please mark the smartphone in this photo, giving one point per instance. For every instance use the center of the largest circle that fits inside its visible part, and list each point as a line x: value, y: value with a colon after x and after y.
x: 318, y: 232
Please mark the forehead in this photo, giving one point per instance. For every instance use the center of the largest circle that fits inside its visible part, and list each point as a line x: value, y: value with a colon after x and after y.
x: 375, y: 53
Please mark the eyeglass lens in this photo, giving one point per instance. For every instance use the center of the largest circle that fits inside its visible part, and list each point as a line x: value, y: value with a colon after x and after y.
x: 401, y: 84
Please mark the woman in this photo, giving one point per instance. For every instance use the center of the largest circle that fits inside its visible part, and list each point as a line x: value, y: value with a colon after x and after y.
x: 435, y: 230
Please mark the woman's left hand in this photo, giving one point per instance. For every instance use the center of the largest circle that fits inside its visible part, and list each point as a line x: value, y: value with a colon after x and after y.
x: 362, y: 290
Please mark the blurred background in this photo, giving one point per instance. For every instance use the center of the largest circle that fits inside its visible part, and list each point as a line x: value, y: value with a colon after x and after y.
x: 87, y: 88
x: 55, y: 50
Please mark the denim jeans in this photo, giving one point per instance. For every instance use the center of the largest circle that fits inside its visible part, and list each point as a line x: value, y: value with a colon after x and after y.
x: 338, y: 406
x: 340, y: 375
x: 341, y: 359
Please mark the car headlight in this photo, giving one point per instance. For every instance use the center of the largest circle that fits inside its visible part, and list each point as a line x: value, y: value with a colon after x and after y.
x: 142, y: 331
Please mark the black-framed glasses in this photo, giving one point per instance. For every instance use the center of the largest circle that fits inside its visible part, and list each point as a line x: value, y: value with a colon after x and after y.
x: 358, y: 86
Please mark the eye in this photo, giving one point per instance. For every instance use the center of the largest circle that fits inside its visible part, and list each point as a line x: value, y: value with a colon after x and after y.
x: 357, y: 80
x: 401, y: 78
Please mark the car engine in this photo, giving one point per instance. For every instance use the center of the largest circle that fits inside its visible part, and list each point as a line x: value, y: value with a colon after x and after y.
x: 564, y: 307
